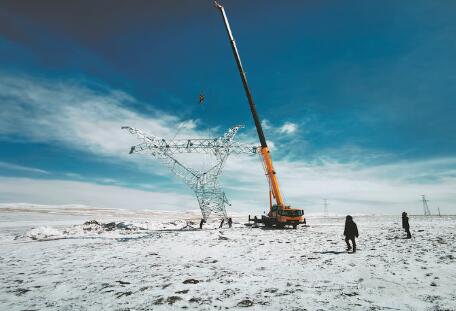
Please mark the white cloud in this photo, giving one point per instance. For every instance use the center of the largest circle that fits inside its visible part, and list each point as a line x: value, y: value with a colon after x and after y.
x: 74, y: 175
x: 79, y: 118
x: 11, y: 166
x: 271, y: 145
x: 266, y: 124
x: 350, y: 187
x: 288, y: 128
x: 55, y: 192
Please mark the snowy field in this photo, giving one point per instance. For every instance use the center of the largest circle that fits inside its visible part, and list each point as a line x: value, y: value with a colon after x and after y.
x: 50, y: 260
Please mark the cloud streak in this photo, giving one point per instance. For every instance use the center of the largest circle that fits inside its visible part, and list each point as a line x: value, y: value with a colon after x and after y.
x: 15, y: 167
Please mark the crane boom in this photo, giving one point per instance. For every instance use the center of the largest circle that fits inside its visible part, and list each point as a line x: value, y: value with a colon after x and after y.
x: 273, y: 181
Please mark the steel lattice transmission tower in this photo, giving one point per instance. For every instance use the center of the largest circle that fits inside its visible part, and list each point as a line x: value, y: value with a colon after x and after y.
x: 205, y: 184
x: 427, y: 212
x: 325, y: 208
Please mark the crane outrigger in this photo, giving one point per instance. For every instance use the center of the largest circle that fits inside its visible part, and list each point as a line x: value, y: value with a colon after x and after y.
x: 279, y: 214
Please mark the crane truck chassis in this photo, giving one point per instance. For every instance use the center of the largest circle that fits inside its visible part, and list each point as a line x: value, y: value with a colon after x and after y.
x: 279, y: 215
x: 280, y: 218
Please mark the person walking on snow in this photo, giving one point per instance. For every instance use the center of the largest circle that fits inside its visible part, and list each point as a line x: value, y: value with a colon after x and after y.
x: 405, y: 224
x: 350, y: 232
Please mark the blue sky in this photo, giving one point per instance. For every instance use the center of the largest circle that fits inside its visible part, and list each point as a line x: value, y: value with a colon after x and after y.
x: 357, y: 99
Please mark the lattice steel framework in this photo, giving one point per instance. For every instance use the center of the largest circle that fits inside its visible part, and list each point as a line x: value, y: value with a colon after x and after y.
x: 325, y: 208
x: 427, y: 212
x: 205, y: 184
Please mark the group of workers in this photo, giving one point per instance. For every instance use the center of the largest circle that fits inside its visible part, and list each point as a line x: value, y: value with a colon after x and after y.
x: 229, y: 221
x: 351, y: 230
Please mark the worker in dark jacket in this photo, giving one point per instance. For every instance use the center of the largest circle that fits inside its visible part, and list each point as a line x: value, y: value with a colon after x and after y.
x: 350, y: 232
x: 405, y: 224
x: 202, y: 222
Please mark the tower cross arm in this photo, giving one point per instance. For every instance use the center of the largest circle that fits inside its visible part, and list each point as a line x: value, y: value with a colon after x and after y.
x: 198, y: 145
x: 193, y: 146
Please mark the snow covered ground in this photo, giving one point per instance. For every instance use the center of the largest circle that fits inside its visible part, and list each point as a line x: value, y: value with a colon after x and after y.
x: 145, y: 260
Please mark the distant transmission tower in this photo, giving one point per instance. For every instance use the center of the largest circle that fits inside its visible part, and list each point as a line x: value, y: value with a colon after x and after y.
x: 205, y: 184
x: 427, y: 212
x: 325, y: 208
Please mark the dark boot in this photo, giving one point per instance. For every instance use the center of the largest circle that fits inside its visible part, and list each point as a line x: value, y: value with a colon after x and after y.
x: 409, y: 235
x: 348, y: 244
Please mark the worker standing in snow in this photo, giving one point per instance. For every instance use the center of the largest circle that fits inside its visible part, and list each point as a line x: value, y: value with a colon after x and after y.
x: 202, y: 222
x: 405, y: 224
x: 230, y: 222
x: 350, y: 232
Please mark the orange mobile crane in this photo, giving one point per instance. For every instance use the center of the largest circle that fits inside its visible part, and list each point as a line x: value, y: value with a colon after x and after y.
x: 280, y: 214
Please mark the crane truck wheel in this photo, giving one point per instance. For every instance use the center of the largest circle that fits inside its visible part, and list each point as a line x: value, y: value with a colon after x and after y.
x: 295, y: 226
